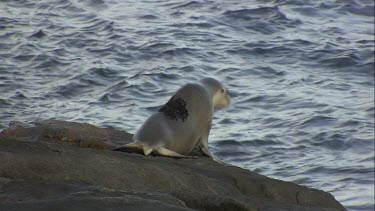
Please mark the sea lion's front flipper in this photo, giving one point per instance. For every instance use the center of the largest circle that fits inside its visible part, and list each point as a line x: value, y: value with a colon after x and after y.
x: 204, y: 149
x: 169, y: 153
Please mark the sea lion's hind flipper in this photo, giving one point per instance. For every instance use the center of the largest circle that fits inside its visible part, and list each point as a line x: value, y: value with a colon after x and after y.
x: 134, y: 147
x: 131, y: 147
x: 169, y: 153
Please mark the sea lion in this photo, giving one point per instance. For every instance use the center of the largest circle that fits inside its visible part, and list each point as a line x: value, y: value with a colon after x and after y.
x: 183, y: 123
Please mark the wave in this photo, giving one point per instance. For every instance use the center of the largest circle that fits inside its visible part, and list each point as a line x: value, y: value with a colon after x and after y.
x: 318, y: 121
x: 189, y: 5
x: 357, y: 9
x: 266, y: 20
x: 256, y: 13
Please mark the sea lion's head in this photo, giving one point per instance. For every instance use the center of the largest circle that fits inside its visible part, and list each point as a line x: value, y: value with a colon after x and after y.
x: 220, y: 94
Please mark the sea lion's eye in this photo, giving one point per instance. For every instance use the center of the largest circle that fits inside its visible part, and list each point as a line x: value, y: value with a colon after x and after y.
x: 222, y: 90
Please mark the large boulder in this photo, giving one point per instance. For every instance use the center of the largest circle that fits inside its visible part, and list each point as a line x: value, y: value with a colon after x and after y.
x: 58, y: 165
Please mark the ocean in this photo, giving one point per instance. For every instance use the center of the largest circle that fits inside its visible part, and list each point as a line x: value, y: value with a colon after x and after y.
x: 300, y: 74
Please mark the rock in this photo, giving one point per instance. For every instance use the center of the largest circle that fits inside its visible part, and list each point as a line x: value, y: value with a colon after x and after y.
x: 70, y: 195
x: 78, y: 134
x: 58, y: 165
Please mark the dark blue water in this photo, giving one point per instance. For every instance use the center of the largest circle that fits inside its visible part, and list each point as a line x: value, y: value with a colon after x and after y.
x: 300, y: 74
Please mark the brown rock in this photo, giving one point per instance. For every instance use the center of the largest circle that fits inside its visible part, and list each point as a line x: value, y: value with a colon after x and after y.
x: 78, y: 134
x: 59, y: 154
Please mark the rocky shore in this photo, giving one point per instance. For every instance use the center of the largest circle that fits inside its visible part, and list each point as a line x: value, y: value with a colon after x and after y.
x: 59, y: 165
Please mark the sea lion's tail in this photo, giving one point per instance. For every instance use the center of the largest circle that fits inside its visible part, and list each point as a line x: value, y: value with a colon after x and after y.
x: 134, y: 147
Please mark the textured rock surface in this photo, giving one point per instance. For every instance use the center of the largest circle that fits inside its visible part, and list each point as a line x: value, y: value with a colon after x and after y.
x: 57, y: 165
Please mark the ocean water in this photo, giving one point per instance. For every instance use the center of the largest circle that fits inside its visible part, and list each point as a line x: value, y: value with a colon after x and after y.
x: 300, y: 75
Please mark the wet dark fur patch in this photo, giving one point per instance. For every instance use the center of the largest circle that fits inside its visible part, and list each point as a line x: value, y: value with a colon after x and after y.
x: 175, y: 109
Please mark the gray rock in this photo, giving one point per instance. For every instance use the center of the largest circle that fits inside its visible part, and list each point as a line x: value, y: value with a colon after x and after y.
x: 70, y: 195
x: 57, y: 165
